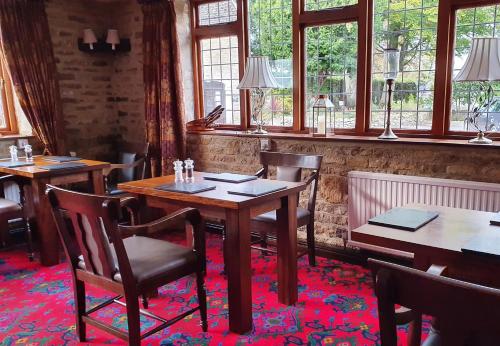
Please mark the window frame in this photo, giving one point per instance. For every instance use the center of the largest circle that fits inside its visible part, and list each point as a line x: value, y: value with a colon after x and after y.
x: 362, y: 14
x: 7, y: 95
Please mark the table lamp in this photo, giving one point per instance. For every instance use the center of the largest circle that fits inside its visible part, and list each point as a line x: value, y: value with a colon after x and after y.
x: 482, y: 65
x: 258, y: 78
x: 391, y: 68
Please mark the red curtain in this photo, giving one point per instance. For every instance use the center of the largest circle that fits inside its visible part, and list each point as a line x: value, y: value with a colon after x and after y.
x: 164, y: 107
x: 27, y: 49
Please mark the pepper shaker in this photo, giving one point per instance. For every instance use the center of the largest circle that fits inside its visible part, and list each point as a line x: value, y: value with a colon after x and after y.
x: 189, y: 164
x: 178, y: 171
x: 13, y: 153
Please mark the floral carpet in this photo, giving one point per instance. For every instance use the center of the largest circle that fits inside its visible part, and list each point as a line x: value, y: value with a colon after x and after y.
x: 336, y: 306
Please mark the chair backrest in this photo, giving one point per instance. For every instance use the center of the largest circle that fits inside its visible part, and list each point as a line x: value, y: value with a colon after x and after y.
x: 94, y: 222
x: 467, y: 313
x: 128, y: 174
x: 289, y: 168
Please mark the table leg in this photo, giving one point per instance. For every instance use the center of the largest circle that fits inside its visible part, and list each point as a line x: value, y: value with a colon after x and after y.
x: 287, y: 250
x: 239, y: 275
x: 96, y: 181
x: 48, y: 237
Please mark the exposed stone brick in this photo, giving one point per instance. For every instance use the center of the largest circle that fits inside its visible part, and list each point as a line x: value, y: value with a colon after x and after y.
x: 214, y: 153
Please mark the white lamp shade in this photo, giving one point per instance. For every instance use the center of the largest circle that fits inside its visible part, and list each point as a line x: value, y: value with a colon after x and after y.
x: 89, y: 36
x: 113, y: 38
x: 323, y: 102
x: 258, y: 74
x: 483, y: 62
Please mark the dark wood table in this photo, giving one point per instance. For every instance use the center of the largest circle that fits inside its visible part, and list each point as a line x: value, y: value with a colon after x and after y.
x: 237, y: 211
x: 440, y: 242
x: 39, y: 178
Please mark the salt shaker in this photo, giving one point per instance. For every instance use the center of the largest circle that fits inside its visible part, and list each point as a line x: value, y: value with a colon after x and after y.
x: 13, y: 153
x: 178, y: 171
x: 28, y: 151
x: 189, y: 164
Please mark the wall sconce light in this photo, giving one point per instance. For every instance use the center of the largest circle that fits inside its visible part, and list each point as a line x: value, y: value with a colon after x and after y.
x: 89, y: 38
x: 111, y: 44
x: 113, y: 38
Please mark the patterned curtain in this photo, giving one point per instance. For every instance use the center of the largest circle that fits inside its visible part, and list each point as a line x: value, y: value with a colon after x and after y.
x: 164, y: 108
x: 27, y: 49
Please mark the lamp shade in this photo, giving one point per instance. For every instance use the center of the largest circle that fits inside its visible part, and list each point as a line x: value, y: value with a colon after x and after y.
x: 89, y: 36
x: 113, y: 38
x: 483, y: 62
x: 258, y: 74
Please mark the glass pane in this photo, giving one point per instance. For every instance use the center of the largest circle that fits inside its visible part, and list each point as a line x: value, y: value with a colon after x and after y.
x: 315, y: 5
x: 410, y: 26
x: 220, y: 69
x: 217, y: 12
x: 270, y: 29
x: 474, y: 22
x: 331, y: 65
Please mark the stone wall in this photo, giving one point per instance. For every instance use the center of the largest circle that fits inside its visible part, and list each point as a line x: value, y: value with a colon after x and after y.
x: 103, y: 94
x: 215, y: 153
x: 84, y: 79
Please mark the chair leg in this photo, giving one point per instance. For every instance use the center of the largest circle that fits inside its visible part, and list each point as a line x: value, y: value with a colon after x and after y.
x: 29, y: 240
x: 415, y: 331
x: 144, y: 301
x: 133, y: 319
x: 202, y: 299
x: 311, y: 248
x: 4, y: 232
x: 80, y: 310
x: 263, y: 242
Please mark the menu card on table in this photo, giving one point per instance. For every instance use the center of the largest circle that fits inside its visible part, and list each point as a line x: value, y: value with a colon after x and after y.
x: 189, y: 188
x: 229, y: 177
x: 404, y: 218
x: 257, y: 189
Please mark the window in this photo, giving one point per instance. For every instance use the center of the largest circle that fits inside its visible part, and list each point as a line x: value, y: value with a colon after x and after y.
x: 270, y: 34
x: 335, y: 47
x: 8, y: 121
x: 220, y: 66
x: 331, y: 67
x: 410, y: 26
x: 470, y: 23
x: 217, y: 13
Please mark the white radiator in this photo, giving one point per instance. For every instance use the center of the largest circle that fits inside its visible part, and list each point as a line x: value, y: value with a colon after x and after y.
x: 371, y: 194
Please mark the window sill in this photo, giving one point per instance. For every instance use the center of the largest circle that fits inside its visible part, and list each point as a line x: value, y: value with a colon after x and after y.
x: 348, y: 138
x: 9, y: 137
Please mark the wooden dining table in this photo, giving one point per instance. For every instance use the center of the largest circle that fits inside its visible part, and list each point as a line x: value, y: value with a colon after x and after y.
x: 237, y: 211
x: 440, y: 242
x: 38, y: 179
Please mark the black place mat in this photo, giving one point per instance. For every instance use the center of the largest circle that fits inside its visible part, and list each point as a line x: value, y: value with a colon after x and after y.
x: 61, y: 166
x: 189, y: 188
x: 496, y: 220
x: 484, y: 246
x: 61, y: 158
x: 404, y: 218
x: 14, y: 164
x: 230, y: 177
x: 257, y: 189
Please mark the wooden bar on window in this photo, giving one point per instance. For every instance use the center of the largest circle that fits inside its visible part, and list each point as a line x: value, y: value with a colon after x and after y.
x: 298, y: 60
x: 329, y: 16
x: 363, y: 88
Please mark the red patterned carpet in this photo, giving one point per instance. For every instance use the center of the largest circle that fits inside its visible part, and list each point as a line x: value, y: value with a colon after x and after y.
x: 336, y: 306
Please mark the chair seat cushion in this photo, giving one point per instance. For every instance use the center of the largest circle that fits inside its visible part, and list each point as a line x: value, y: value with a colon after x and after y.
x: 8, y: 206
x: 152, y: 258
x: 302, y: 216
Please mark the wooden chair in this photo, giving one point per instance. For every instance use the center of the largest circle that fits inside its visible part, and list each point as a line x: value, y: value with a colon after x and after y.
x: 11, y: 210
x: 132, y: 166
x: 289, y: 168
x: 465, y: 313
x: 124, y: 259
